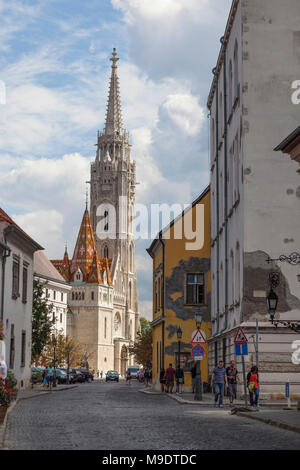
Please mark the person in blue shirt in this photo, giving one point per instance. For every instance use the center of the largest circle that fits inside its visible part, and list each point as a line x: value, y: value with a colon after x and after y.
x: 218, y: 382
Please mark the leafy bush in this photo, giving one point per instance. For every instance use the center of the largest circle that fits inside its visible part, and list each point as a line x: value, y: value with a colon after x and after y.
x: 11, y: 381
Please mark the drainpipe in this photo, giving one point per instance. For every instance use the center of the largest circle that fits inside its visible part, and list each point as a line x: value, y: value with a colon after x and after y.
x: 217, y: 200
x: 7, y: 252
x: 225, y: 184
x: 163, y: 301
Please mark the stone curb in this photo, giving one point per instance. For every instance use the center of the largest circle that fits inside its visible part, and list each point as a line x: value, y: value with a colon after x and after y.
x: 11, y: 407
x: 272, y: 422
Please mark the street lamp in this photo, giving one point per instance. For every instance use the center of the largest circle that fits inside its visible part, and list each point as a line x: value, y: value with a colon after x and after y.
x: 54, y: 351
x: 198, y: 388
x: 68, y: 369
x: 179, y: 336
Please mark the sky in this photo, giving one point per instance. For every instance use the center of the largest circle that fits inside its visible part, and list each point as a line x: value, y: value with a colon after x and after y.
x: 54, y: 64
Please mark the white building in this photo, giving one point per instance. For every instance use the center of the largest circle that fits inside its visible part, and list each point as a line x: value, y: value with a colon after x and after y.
x: 16, y: 261
x: 56, y: 290
x: 255, y: 207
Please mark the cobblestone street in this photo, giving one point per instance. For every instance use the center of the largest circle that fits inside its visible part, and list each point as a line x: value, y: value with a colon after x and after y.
x: 110, y: 416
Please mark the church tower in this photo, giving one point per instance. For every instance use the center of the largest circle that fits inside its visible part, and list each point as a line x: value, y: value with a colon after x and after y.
x: 113, y: 181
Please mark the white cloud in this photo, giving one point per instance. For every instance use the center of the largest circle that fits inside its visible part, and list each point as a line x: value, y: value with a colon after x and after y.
x: 185, y: 111
x: 43, y: 225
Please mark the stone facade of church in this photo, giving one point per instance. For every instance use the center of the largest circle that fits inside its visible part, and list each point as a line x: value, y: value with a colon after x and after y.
x: 103, y: 304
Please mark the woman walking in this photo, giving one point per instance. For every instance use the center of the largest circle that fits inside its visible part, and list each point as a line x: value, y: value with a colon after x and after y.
x: 162, y: 379
x: 253, y: 386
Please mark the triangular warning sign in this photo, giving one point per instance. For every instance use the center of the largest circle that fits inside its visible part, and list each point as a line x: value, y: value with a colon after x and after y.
x: 198, y: 337
x: 240, y: 337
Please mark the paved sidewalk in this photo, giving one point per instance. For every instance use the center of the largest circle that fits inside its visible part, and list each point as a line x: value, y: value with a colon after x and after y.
x: 208, y: 399
x: 285, y: 419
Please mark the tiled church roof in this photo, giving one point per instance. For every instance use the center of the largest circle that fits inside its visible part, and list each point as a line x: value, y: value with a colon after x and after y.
x: 85, y: 257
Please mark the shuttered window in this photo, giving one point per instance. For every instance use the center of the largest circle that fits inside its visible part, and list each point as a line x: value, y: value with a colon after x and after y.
x: 195, y: 289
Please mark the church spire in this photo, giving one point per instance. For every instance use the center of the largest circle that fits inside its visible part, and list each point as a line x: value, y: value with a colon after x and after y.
x: 114, y: 116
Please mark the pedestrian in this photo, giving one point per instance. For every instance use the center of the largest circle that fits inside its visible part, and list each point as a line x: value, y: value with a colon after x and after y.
x: 49, y: 376
x: 146, y: 377
x: 218, y: 382
x: 253, y: 386
x: 128, y: 377
x: 3, y: 371
x: 101, y: 374
x: 232, y: 378
x: 170, y: 374
x: 44, y: 377
x: 162, y: 379
x: 179, y: 374
x: 193, y: 372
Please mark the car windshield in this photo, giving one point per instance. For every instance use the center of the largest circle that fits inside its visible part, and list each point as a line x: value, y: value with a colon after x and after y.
x: 133, y: 369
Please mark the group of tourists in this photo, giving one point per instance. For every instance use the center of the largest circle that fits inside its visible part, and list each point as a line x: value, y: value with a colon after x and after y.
x: 222, y: 378
x: 48, y: 376
x: 168, y: 376
x: 228, y: 378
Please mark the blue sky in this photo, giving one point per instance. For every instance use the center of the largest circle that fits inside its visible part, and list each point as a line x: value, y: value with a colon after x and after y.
x: 54, y: 61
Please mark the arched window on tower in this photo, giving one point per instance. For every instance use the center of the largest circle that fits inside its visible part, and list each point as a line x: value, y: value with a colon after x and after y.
x: 130, y: 295
x: 106, y: 221
x: 105, y: 251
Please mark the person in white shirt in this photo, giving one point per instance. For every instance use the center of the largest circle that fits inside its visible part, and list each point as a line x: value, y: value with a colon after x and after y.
x: 3, y: 370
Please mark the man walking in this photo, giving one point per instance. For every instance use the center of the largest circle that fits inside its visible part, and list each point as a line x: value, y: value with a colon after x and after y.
x: 232, y: 377
x: 170, y: 374
x: 218, y: 382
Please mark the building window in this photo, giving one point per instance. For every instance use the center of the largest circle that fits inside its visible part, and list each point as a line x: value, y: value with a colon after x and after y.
x: 105, y: 251
x: 23, y: 348
x: 195, y: 289
x: 224, y: 350
x: 24, y: 289
x: 16, y: 278
x: 62, y: 297
x: 61, y: 318
x: 54, y: 295
x: 47, y: 293
x: 216, y: 353
x: 155, y: 295
x: 12, y: 347
x: 92, y: 295
x: 230, y: 89
x: 105, y: 324
x: 73, y: 295
x: 236, y: 72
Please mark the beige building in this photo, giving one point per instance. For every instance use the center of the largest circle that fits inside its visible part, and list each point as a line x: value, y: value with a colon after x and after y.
x: 255, y: 210
x: 104, y: 301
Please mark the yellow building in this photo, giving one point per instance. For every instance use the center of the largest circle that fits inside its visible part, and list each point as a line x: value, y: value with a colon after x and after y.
x: 181, y: 285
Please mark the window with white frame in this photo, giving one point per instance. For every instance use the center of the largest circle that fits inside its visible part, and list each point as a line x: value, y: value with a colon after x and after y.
x: 194, y: 289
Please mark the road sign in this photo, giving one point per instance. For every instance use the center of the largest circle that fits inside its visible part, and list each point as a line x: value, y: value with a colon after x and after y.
x: 240, y: 337
x: 198, y: 351
x: 198, y: 336
x: 287, y: 389
x: 241, y: 349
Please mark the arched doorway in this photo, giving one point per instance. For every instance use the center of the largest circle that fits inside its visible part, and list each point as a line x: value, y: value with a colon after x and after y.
x: 124, y: 360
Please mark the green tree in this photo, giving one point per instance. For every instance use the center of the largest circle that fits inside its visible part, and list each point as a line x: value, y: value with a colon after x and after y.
x: 142, y: 347
x: 61, y: 352
x: 42, y: 321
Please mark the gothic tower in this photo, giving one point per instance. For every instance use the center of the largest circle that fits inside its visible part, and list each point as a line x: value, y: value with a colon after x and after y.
x: 113, y: 184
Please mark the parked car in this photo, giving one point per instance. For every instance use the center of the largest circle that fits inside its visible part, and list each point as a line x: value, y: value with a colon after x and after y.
x: 134, y: 370
x: 87, y: 374
x: 112, y: 375
x: 61, y: 376
x: 77, y: 376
